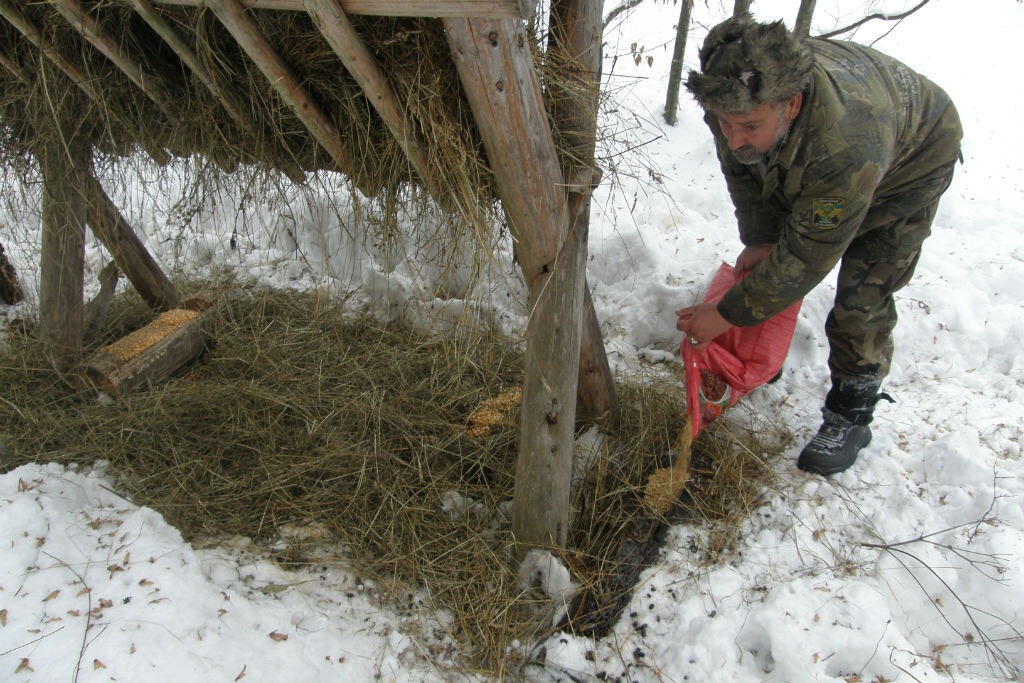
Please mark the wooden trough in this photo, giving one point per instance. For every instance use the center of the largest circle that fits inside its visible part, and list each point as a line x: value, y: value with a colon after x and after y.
x: 151, y: 55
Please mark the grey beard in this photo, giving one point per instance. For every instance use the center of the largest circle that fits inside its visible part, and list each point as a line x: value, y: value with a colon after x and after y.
x: 748, y: 155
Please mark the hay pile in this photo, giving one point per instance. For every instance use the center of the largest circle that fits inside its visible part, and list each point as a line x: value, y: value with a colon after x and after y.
x: 304, y: 416
x: 118, y: 119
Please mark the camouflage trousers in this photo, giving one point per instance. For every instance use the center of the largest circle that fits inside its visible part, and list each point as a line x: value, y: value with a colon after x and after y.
x: 878, y: 262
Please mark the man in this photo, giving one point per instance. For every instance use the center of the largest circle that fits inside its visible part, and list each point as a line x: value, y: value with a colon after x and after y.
x: 831, y: 152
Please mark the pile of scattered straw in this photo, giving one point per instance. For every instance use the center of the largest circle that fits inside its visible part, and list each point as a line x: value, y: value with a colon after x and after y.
x: 305, y: 415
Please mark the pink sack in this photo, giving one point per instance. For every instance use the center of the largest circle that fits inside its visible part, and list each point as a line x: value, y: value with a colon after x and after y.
x: 737, y: 361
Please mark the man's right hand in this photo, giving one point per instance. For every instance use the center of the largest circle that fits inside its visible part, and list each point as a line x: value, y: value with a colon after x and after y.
x: 751, y: 256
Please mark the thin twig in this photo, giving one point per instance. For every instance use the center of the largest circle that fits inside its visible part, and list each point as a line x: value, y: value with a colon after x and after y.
x: 88, y: 613
x: 876, y: 15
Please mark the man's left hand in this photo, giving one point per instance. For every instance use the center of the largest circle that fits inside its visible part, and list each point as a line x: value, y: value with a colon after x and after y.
x: 701, y: 323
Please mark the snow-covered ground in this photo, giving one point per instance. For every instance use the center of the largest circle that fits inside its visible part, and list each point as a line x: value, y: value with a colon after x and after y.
x: 94, y: 588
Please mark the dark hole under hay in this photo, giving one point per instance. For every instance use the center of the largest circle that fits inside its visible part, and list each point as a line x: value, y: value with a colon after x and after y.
x: 302, y: 413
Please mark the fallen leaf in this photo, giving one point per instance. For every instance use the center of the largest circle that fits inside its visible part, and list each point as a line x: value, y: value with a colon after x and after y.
x: 23, y: 666
x: 74, y: 612
x: 131, y: 650
x: 104, y: 603
x: 3, y: 617
x: 278, y: 636
x: 97, y: 664
x: 241, y: 674
x: 145, y: 582
x: 52, y: 595
x: 82, y: 592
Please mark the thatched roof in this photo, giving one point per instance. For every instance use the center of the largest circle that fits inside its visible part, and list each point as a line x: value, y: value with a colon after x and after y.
x: 249, y: 123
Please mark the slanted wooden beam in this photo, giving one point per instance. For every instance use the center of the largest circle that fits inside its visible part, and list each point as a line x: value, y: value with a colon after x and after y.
x: 498, y: 9
x: 495, y: 65
x: 13, y: 14
x: 232, y: 14
x: 575, y: 40
x: 224, y: 95
x: 62, y: 252
x: 111, y: 49
x: 128, y: 252
x: 24, y: 25
x: 353, y: 53
x: 13, y: 68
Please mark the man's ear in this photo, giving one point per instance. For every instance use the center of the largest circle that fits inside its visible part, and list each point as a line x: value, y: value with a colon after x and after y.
x: 793, y: 105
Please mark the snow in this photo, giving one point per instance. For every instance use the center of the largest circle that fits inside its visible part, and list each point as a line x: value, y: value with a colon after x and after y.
x: 95, y: 588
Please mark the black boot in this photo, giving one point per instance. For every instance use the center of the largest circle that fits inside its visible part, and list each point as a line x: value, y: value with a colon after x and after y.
x: 848, y: 410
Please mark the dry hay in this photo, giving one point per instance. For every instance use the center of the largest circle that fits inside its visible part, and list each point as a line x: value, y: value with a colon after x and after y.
x: 304, y: 416
x: 117, y: 119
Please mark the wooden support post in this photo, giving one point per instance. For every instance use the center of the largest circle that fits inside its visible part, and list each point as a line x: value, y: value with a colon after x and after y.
x: 495, y: 65
x: 575, y: 30
x: 62, y: 254
x: 231, y: 13
x: 116, y: 234
x: 10, y: 289
x: 111, y: 49
x: 350, y: 49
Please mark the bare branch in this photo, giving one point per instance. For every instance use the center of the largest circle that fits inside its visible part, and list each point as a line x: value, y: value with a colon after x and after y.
x: 876, y: 15
x: 624, y: 7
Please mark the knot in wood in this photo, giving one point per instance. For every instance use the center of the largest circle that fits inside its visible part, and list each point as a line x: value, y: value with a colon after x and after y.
x: 493, y: 38
x: 551, y: 418
x: 500, y: 86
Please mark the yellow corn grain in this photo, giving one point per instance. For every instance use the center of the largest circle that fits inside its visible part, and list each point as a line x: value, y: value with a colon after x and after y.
x: 133, y: 344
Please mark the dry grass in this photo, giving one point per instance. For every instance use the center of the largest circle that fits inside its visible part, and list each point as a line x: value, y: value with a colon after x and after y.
x: 301, y: 413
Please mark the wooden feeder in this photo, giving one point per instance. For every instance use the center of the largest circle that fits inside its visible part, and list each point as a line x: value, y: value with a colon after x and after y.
x: 545, y: 195
x: 152, y: 353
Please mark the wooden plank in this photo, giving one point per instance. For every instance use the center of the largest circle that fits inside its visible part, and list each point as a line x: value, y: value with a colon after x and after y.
x: 232, y: 14
x: 498, y: 9
x: 575, y: 39
x: 131, y: 256
x: 353, y: 53
x: 151, y: 353
x: 62, y: 252
x: 111, y: 49
x: 495, y: 65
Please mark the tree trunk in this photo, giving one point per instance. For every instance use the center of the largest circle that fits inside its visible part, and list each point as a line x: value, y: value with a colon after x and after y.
x: 62, y: 253
x: 675, y: 76
x: 802, y: 28
x: 10, y: 289
x: 741, y: 7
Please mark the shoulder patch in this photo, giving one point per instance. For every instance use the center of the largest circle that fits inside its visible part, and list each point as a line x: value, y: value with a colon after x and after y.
x: 826, y: 212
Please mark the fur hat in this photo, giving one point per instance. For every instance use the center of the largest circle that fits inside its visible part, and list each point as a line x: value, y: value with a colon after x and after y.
x: 744, y: 63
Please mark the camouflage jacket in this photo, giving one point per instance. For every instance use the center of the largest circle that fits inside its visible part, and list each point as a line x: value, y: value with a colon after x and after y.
x: 871, y: 138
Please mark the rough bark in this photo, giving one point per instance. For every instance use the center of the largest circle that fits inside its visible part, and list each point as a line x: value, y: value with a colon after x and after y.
x: 675, y: 77
x: 62, y: 252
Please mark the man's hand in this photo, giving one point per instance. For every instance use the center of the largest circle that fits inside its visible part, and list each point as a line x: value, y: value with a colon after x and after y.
x: 701, y: 323
x: 751, y: 256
